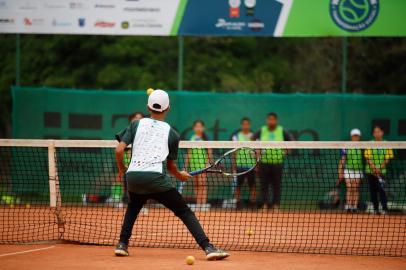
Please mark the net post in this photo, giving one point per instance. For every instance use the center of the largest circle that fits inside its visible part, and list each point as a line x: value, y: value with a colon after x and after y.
x: 54, y: 194
x: 55, y: 201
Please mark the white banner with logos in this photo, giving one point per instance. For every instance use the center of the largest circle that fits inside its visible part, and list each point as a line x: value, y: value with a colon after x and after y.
x: 110, y: 17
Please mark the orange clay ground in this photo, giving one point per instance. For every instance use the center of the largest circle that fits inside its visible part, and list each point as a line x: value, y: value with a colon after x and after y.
x: 67, y: 256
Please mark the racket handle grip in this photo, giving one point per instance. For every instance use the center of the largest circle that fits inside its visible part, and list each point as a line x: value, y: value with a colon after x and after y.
x: 193, y: 173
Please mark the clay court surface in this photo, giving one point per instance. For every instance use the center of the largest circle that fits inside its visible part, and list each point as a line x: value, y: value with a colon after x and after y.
x: 67, y: 256
x: 284, y: 231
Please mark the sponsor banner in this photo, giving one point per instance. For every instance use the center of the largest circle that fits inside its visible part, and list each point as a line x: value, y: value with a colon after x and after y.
x: 235, y: 17
x: 205, y: 18
x: 112, y: 17
x: 346, y: 18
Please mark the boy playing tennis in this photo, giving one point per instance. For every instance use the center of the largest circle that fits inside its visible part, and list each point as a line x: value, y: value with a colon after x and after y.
x: 154, y: 151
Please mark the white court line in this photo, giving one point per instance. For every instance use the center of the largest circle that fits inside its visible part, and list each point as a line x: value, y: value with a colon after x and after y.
x: 25, y: 251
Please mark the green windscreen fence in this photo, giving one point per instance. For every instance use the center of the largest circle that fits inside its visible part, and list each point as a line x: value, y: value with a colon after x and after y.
x: 99, y: 114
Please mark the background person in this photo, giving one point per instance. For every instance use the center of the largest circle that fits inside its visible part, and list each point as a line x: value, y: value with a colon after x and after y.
x: 135, y: 116
x: 198, y: 159
x: 243, y: 159
x: 350, y: 169
x: 376, y: 169
x: 271, y: 160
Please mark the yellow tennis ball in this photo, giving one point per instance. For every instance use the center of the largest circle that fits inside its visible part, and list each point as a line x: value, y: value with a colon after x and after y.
x: 27, y: 205
x: 250, y: 232
x: 190, y: 260
x: 149, y: 91
x: 11, y: 205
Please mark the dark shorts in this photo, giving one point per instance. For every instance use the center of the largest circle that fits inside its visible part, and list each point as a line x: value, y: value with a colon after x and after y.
x: 147, y: 182
x: 250, y: 177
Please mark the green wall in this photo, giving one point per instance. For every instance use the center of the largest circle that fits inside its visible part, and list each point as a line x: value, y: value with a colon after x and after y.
x: 99, y: 114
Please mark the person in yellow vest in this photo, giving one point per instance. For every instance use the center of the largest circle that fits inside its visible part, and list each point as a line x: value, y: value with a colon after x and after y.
x: 376, y: 169
x: 243, y: 159
x: 351, y: 170
x: 198, y: 159
x: 271, y: 161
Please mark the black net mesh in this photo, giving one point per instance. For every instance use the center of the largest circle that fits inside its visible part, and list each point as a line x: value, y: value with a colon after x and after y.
x: 290, y: 203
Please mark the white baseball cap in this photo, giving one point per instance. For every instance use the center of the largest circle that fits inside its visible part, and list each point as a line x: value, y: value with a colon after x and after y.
x: 355, y: 132
x: 158, y: 100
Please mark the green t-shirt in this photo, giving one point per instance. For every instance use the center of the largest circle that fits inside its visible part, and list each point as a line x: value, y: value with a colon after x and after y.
x: 141, y: 180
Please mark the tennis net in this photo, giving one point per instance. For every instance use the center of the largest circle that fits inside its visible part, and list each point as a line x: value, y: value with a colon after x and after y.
x: 67, y: 190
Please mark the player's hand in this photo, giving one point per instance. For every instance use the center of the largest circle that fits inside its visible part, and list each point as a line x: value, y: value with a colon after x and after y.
x: 184, y: 176
x: 377, y: 171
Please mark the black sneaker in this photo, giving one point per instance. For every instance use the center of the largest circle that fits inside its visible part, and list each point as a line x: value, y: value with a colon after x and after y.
x: 214, y: 254
x: 121, y: 250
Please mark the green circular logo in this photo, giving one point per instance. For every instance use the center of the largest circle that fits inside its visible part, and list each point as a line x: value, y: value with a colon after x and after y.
x: 354, y: 15
x: 125, y: 25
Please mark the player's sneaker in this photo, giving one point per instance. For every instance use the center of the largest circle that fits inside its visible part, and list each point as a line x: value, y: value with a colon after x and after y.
x: 121, y: 250
x: 214, y: 254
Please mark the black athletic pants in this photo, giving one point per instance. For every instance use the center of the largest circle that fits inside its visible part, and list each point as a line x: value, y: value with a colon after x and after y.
x: 270, y: 174
x: 170, y: 199
x: 376, y: 188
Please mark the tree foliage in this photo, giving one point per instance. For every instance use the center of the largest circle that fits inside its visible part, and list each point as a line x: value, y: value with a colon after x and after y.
x: 375, y: 65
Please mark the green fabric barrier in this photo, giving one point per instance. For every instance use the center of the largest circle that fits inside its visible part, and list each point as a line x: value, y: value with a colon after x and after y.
x: 95, y: 114
x: 99, y: 114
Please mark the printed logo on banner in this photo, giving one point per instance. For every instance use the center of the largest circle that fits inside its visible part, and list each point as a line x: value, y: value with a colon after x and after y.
x: 125, y: 24
x: 33, y: 21
x: 249, y: 7
x: 135, y: 23
x: 51, y: 5
x: 354, y: 15
x: 234, y: 8
x: 222, y: 23
x: 77, y: 5
x: 104, y: 24
x: 7, y: 21
x: 256, y: 25
x: 141, y: 9
x: 28, y: 6
x: 59, y: 23
x: 82, y: 22
x: 105, y: 6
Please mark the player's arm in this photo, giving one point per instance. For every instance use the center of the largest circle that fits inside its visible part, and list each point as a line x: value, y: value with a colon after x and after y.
x: 120, y: 149
x: 173, y: 169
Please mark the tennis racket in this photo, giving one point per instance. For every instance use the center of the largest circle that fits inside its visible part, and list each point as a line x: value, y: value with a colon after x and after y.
x: 224, y: 165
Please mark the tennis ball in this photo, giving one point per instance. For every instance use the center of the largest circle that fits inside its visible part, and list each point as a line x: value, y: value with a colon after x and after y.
x: 250, y: 232
x: 190, y: 260
x: 27, y: 205
x: 149, y: 91
x: 11, y: 205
